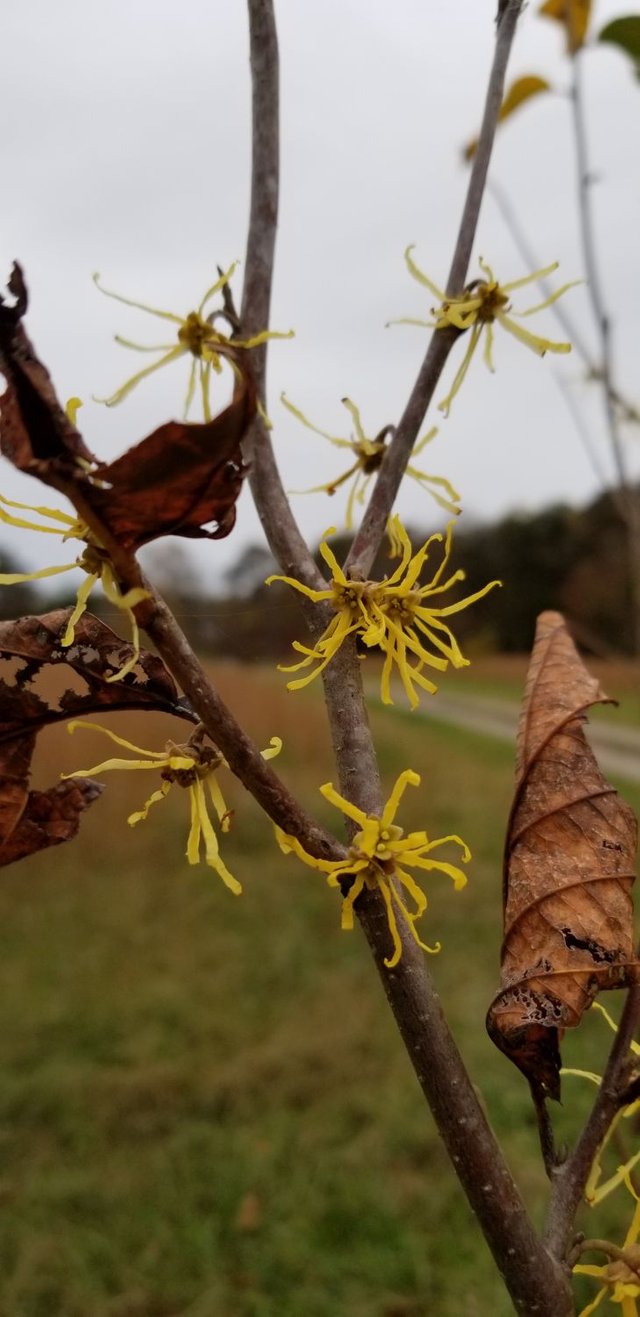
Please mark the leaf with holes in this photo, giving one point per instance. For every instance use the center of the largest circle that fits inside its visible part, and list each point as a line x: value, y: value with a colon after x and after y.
x: 29, y: 650
x: 569, y: 860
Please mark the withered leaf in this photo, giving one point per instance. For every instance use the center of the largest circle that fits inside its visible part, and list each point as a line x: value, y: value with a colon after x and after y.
x: 176, y: 481
x: 29, y: 647
x: 48, y: 818
x: 35, y: 428
x: 569, y: 868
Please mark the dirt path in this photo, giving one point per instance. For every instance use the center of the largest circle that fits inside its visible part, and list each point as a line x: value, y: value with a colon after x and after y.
x: 618, y: 748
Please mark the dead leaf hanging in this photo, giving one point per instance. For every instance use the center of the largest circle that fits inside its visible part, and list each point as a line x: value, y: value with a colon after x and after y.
x: 569, y: 860
x: 31, y: 820
x: 176, y: 481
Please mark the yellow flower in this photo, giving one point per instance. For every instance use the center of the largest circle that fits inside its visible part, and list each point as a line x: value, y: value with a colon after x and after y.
x: 379, y: 856
x: 197, y: 336
x: 482, y: 303
x: 398, y: 615
x: 621, y: 1274
x: 368, y: 454
x: 94, y: 561
x: 189, y: 766
x: 595, y: 1191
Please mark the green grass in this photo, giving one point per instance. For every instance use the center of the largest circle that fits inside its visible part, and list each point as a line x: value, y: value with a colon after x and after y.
x: 205, y: 1108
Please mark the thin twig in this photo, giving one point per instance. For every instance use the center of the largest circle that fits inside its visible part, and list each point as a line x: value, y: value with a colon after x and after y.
x: 629, y: 503
x: 610, y: 1251
x: 571, y: 1178
x: 280, y: 527
x: 581, y: 429
x: 368, y: 538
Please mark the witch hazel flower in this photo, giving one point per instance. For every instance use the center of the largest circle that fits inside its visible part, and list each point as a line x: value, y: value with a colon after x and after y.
x: 366, y: 459
x: 481, y: 304
x: 406, y: 620
x: 197, y: 336
x: 379, y: 857
x: 193, y: 767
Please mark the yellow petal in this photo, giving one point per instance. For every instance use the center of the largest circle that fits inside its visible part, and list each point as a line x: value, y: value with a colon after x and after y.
x: 407, y: 778
x: 418, y: 274
x: 140, y: 815
x: 130, y: 384
x: 346, y: 806
x: 533, y: 341
x: 17, y: 578
x: 119, y: 740
x: 80, y: 607
x: 140, y: 306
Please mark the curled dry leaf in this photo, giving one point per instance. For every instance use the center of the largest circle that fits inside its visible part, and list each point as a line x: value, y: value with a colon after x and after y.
x: 175, y: 482
x: 31, y: 820
x: 569, y: 868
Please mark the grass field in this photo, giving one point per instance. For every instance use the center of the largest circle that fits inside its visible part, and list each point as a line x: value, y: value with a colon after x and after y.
x: 205, y: 1110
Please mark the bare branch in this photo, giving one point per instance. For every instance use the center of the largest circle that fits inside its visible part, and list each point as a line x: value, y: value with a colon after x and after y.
x: 280, y: 527
x: 242, y: 756
x: 539, y: 1287
x: 367, y: 540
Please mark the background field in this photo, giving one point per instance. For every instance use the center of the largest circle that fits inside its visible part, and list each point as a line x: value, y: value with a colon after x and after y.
x: 205, y: 1110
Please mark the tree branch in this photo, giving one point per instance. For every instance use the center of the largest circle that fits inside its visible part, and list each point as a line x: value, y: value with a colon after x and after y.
x: 628, y: 502
x: 369, y: 536
x: 538, y: 1285
x: 280, y: 527
x: 570, y: 1179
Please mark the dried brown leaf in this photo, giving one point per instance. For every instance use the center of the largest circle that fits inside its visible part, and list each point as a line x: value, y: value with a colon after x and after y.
x: 31, y: 820
x: 176, y: 481
x: 48, y: 818
x: 569, y: 860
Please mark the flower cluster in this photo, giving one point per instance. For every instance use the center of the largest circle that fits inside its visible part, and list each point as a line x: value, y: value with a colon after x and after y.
x: 196, y: 336
x: 379, y: 857
x: 398, y: 615
x: 94, y: 560
x: 482, y: 303
x: 368, y: 455
x: 190, y: 766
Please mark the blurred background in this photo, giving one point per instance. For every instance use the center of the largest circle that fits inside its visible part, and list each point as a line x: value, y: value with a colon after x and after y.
x: 205, y: 1110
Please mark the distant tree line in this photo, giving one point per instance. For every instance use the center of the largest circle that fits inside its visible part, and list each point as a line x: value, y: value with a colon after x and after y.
x: 573, y: 560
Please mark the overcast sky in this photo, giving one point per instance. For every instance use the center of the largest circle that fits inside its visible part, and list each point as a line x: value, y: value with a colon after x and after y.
x: 126, y: 150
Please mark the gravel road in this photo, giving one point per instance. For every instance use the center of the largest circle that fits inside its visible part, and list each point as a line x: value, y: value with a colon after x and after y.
x: 617, y: 748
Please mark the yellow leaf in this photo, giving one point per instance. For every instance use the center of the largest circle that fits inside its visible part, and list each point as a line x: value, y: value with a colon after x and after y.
x: 574, y: 16
x: 520, y: 91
